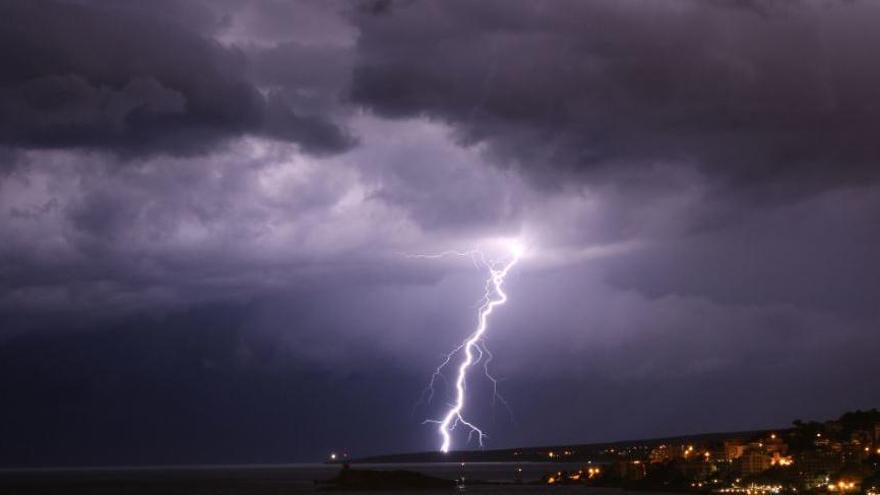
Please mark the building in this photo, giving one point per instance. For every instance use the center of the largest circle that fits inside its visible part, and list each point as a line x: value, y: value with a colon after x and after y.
x: 694, y: 468
x: 664, y: 453
x: 775, y: 444
x: 734, y: 449
x: 817, y: 464
x: 754, y: 462
x: 778, y: 459
x: 716, y: 451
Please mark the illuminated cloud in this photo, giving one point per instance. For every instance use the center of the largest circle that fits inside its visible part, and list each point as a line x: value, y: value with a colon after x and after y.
x: 204, y: 209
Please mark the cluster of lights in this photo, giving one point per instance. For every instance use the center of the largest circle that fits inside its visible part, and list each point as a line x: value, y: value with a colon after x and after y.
x: 701, y: 484
x: 566, y: 453
x: 842, y: 486
x: 753, y: 489
x: 580, y: 474
x: 553, y: 479
x: 628, y: 450
x: 781, y: 461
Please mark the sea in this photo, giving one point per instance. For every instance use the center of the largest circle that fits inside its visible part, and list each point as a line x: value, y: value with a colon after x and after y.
x: 476, y: 478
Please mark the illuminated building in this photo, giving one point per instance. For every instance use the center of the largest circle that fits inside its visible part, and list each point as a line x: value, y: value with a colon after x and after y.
x: 782, y: 461
x: 734, y: 449
x: 663, y: 453
x: 754, y: 462
x: 843, y: 486
x: 775, y: 444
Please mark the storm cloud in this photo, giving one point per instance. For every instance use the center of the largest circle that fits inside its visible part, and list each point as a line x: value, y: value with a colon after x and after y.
x: 99, y: 77
x: 207, y: 211
x: 597, y: 89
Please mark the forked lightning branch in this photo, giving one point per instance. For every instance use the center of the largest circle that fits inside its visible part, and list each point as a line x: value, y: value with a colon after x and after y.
x: 472, y: 350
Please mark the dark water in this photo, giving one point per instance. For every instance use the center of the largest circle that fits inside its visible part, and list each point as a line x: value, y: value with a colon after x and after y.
x: 286, y: 479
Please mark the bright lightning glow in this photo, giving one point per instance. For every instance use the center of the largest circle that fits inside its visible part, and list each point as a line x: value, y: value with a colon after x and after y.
x: 516, y: 247
x: 473, y: 348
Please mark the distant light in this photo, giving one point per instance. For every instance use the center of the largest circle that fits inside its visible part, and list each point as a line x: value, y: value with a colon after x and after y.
x: 333, y: 456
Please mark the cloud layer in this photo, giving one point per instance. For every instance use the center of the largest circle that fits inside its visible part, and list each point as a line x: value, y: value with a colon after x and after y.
x: 77, y: 76
x: 786, y: 100
x: 206, y: 210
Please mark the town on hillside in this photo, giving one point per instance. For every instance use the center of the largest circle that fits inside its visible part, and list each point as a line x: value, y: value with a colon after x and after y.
x: 838, y: 456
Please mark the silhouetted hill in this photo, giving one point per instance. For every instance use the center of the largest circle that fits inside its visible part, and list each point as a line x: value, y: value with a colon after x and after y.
x: 596, y: 452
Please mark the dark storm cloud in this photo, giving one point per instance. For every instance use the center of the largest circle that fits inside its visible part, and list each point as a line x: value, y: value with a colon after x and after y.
x: 232, y: 223
x: 84, y: 76
x: 137, y: 388
x: 313, y: 91
x: 785, y: 103
x: 229, y: 276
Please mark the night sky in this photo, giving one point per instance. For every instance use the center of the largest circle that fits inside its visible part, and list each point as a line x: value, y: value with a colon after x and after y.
x: 206, y: 209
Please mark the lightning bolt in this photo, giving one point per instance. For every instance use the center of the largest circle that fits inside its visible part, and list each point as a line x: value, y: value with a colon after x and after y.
x: 473, y: 347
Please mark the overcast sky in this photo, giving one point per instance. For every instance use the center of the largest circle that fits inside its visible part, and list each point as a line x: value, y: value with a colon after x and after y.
x: 205, y: 210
